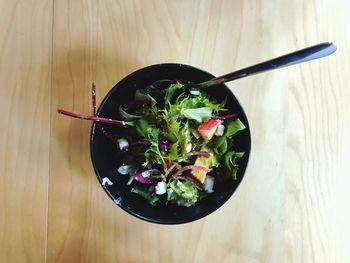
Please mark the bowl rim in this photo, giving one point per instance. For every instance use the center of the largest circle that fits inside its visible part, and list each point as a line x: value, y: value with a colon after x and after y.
x: 156, y: 220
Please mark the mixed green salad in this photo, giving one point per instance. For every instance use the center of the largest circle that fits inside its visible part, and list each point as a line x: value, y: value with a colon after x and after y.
x: 179, y: 144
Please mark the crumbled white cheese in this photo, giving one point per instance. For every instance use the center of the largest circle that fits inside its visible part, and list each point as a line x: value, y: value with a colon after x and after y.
x: 188, y: 147
x: 208, y: 184
x: 146, y: 174
x: 160, y: 188
x: 105, y: 181
x: 123, y: 143
x: 195, y: 92
x: 124, y: 169
x: 220, y: 130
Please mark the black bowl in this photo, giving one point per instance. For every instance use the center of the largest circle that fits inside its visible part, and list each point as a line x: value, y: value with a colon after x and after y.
x: 104, y: 154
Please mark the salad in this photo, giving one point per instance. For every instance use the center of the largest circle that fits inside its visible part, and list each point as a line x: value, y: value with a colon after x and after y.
x: 179, y: 143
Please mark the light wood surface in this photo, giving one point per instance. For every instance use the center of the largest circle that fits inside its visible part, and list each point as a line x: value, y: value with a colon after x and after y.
x: 25, y: 74
x: 292, y: 205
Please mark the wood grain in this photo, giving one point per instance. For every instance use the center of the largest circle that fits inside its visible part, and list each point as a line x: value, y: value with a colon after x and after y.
x: 25, y: 73
x: 292, y: 204
x: 111, y: 40
x: 317, y: 214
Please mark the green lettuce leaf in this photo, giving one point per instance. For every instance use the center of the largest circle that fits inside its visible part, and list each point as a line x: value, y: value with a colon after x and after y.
x: 220, y: 146
x: 215, y: 161
x: 152, y: 198
x: 225, y: 142
x: 199, y: 102
x: 169, y: 92
x: 178, y: 148
x: 142, y: 127
x: 126, y: 115
x: 152, y: 154
x: 233, y: 127
x: 143, y: 95
x: 230, y: 163
x: 172, y: 129
x: 185, y: 138
x: 183, y: 193
x: 174, y: 152
x: 198, y: 114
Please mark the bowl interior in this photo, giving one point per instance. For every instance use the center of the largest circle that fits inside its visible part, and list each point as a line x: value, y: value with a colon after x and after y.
x: 105, y: 156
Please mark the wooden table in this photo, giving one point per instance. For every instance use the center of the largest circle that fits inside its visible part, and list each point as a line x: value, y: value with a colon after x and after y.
x: 293, y: 204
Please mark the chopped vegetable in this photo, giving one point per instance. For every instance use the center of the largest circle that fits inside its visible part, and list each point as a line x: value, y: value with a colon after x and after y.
x: 202, y: 161
x: 208, y: 128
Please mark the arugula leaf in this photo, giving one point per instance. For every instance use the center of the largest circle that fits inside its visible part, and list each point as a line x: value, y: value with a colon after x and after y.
x: 152, y: 198
x: 169, y: 92
x: 198, y: 114
x: 150, y: 113
x: 230, y: 162
x: 143, y: 95
x: 142, y: 127
x: 126, y: 115
x: 220, y: 146
x: 228, y: 159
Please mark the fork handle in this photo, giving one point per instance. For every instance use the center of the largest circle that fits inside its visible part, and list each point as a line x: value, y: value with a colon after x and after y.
x: 300, y: 56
